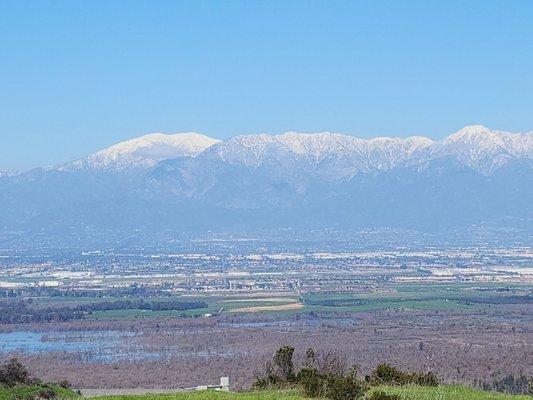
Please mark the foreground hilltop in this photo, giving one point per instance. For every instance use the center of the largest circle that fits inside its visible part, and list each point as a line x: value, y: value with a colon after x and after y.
x: 189, y: 182
x: 405, y: 393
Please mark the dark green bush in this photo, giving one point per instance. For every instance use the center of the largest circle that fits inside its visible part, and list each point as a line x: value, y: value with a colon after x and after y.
x: 43, y: 394
x: 268, y: 379
x: 13, y: 373
x: 382, y: 396
x: 311, y: 381
x: 284, y: 364
x: 331, y: 386
x: 326, y: 377
x: 389, y: 375
x: 425, y: 379
x: 339, y: 387
x: 279, y: 373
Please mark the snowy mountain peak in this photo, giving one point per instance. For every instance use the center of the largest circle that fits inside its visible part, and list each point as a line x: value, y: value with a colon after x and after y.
x: 473, y: 129
x: 475, y: 134
x: 484, y: 149
x: 146, y: 150
x: 489, y: 140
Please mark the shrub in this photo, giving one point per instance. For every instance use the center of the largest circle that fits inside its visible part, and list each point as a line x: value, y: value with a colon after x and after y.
x: 13, y: 373
x: 383, y: 396
x: 325, y: 376
x: 510, y: 384
x: 344, y: 387
x: 284, y: 363
x: 43, y: 394
x: 279, y: 373
x: 425, y: 379
x: 389, y: 375
x: 267, y: 379
x: 331, y: 386
x: 311, y: 381
x: 64, y: 384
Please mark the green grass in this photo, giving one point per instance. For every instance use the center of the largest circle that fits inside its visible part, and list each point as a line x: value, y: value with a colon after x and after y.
x: 22, y: 392
x: 447, y: 392
x: 212, y: 395
x: 443, y: 392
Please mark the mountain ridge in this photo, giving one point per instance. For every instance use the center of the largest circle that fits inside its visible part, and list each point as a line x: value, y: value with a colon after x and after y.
x: 473, y: 144
x: 322, y: 180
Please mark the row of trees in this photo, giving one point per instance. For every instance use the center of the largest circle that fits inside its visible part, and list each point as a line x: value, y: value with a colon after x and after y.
x: 327, y: 376
x: 24, y: 311
x: 45, y: 291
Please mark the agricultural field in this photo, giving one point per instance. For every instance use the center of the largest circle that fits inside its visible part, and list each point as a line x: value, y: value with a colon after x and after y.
x: 459, y: 297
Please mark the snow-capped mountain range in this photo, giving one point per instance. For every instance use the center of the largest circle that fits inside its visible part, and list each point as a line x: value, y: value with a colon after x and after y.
x: 478, y: 147
x: 190, y: 181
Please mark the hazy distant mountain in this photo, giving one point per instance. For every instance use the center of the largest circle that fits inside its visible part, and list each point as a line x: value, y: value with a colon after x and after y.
x: 193, y: 182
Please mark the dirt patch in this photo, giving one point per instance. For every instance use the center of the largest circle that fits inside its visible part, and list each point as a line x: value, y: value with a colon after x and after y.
x: 281, y: 307
x: 262, y: 299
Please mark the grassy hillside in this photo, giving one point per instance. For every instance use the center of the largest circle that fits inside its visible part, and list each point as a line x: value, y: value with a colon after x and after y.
x: 444, y: 392
x: 35, y: 392
x: 212, y: 395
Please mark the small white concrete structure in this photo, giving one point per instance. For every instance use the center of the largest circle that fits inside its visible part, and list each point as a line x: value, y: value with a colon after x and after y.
x: 224, y: 385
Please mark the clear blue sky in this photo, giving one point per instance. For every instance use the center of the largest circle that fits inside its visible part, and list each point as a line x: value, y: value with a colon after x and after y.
x: 77, y: 76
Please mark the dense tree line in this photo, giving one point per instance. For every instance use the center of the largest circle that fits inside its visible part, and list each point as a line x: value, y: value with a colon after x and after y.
x: 43, y: 291
x: 142, y: 304
x: 24, y: 311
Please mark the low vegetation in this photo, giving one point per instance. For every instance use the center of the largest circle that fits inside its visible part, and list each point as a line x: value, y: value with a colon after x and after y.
x: 326, y: 376
x: 16, y: 384
x: 37, y: 391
